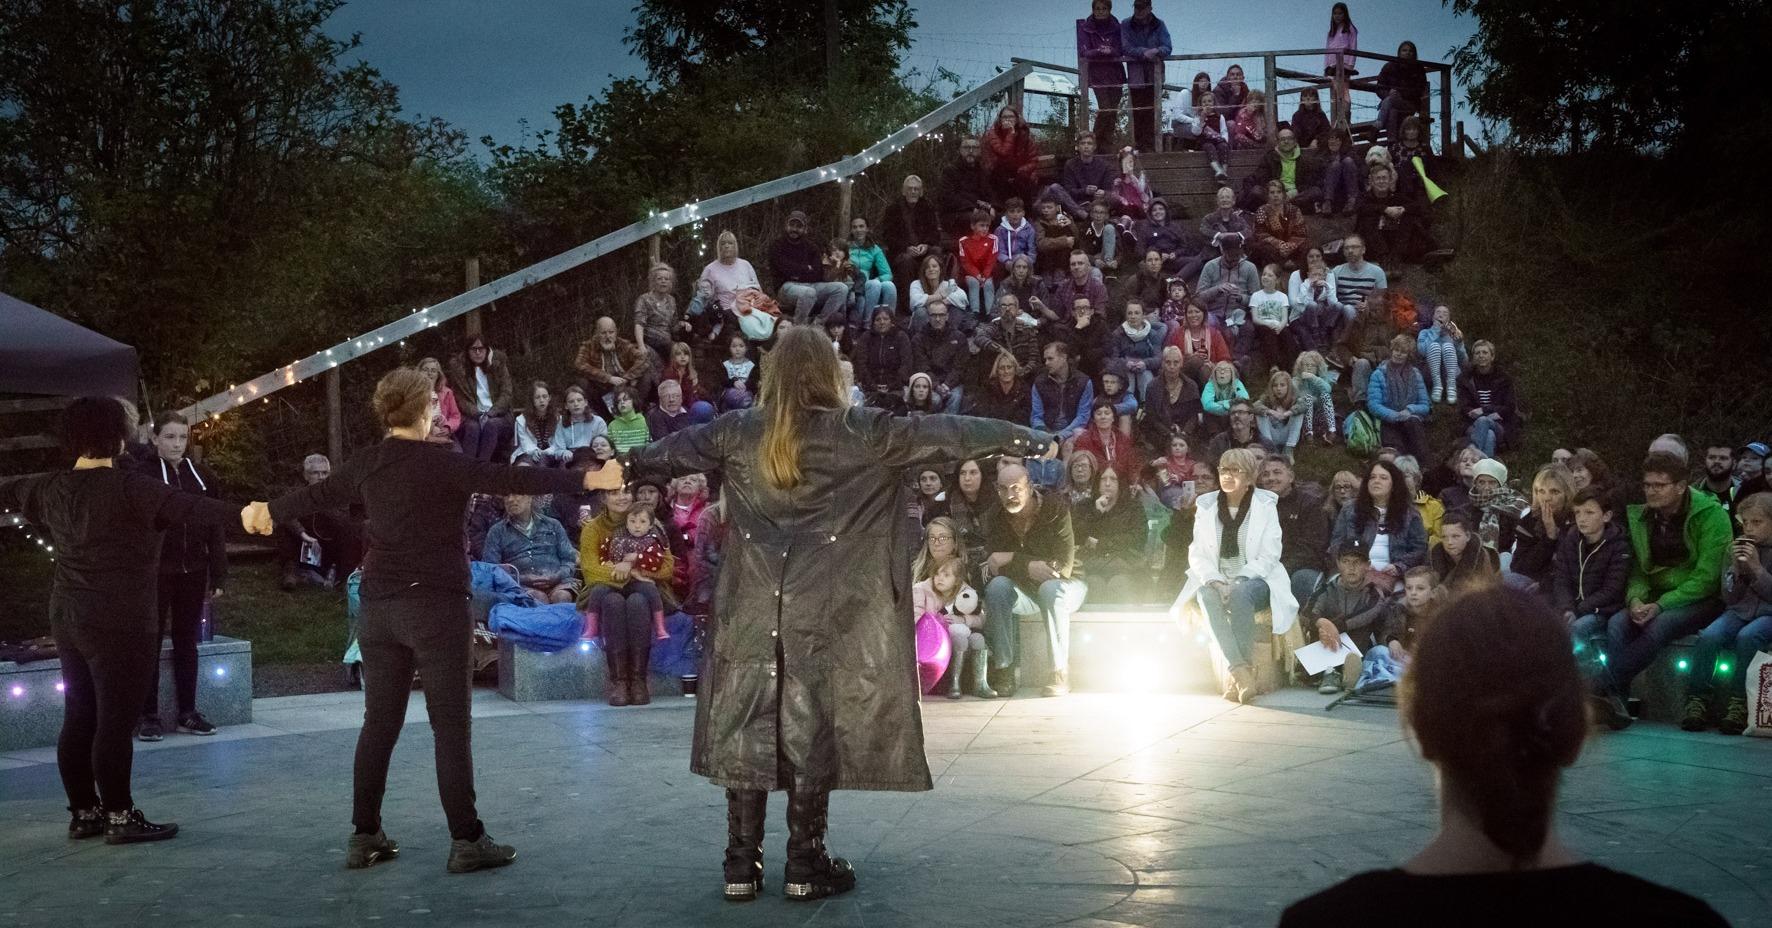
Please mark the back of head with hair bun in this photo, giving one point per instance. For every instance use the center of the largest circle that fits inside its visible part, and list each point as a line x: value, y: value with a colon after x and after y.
x: 1495, y: 700
x: 402, y: 398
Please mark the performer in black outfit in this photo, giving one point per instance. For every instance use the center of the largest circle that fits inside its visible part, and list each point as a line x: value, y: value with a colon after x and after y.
x: 415, y: 602
x: 810, y: 684
x: 105, y: 525
x: 193, y: 564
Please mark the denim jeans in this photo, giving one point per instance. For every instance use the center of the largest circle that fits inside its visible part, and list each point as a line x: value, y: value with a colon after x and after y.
x: 1304, y: 583
x: 1005, y: 602
x: 1631, y: 648
x: 826, y: 298
x: 1728, y: 634
x: 1233, y: 618
x: 981, y: 294
x: 955, y: 396
x: 1282, y: 435
x: 1485, y: 433
x: 1341, y: 185
x: 874, y: 293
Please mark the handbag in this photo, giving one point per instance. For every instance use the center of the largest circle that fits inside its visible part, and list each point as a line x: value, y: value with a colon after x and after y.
x: 757, y: 312
x: 1759, y: 696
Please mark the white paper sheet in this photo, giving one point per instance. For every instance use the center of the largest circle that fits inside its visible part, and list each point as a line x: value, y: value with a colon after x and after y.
x: 1316, y: 658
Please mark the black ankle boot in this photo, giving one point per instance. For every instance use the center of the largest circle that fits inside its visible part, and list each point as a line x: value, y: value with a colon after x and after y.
x: 745, y: 811
x: 811, y: 872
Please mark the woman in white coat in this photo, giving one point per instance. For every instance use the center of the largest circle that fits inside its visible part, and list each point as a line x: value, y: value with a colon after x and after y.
x: 1234, y: 566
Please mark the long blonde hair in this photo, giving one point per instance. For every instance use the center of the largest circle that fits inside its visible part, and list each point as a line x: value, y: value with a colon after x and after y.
x: 799, y: 376
x: 922, y: 567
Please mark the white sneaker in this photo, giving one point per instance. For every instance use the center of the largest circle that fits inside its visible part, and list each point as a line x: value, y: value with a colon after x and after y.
x: 1452, y: 396
x: 1439, y: 394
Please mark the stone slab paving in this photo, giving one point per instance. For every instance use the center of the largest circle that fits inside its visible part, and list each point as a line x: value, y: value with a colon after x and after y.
x: 1092, y: 810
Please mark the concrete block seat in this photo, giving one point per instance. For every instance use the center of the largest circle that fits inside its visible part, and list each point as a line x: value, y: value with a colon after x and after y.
x: 1661, y: 689
x: 31, y: 694
x: 1121, y: 647
x: 579, y: 672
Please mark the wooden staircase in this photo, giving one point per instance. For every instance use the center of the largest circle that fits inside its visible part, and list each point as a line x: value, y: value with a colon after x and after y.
x: 1185, y: 177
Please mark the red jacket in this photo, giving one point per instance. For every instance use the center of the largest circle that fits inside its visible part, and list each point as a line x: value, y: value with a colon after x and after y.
x: 1216, y: 349
x: 1120, y: 455
x: 978, y: 258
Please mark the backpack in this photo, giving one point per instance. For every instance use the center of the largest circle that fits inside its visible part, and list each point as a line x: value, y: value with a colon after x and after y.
x: 1361, y: 432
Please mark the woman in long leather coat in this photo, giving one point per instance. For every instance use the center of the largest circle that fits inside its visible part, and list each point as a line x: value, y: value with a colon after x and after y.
x: 811, y: 678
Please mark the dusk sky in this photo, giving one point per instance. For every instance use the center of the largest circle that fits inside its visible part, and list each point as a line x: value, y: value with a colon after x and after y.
x: 484, y: 65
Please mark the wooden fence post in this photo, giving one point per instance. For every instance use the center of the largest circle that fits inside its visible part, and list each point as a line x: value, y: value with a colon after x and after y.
x: 845, y: 190
x: 1082, y: 111
x: 653, y: 250
x: 335, y: 421
x: 1273, y: 96
x: 1445, y: 111
x: 471, y: 281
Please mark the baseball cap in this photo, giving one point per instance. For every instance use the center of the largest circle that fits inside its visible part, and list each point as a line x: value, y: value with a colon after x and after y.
x: 798, y: 216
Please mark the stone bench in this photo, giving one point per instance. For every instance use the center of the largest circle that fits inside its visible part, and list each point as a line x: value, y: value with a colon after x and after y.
x: 579, y: 672
x: 31, y: 694
x: 1661, y: 689
x: 1120, y: 648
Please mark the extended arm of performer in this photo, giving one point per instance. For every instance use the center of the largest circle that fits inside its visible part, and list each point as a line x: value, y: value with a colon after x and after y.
x: 343, y: 487
x: 907, y: 442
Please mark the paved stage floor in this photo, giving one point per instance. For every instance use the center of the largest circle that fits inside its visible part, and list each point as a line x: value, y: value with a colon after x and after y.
x: 1091, y: 810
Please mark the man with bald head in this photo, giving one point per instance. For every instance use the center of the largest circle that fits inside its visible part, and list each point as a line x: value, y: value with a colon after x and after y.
x: 1029, y: 571
x: 610, y: 362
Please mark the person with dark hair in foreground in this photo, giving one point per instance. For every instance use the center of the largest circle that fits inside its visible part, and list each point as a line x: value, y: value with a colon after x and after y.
x: 105, y: 525
x: 415, y: 603
x: 811, y: 685
x: 1495, y: 702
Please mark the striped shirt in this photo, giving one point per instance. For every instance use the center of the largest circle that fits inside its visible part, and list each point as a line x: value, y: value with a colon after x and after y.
x: 1352, y: 285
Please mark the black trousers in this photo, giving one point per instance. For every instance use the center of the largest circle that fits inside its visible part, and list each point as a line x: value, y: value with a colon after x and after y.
x: 104, y: 673
x: 181, y: 617
x: 430, y: 634
x: 627, y: 623
x: 1409, y: 437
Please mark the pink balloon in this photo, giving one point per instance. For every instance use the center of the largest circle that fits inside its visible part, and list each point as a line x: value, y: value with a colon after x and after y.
x: 934, y: 649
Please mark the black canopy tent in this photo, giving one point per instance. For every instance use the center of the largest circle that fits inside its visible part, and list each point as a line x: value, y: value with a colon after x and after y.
x: 43, y: 353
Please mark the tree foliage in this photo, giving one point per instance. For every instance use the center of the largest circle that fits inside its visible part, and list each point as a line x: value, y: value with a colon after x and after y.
x: 209, y: 181
x: 1578, y: 74
x: 741, y: 116
x: 679, y: 39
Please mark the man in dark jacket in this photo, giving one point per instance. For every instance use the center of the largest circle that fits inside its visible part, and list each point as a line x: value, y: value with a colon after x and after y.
x: 910, y: 231
x: 321, y: 549
x: 1298, y: 169
x: 1486, y: 402
x: 1084, y: 178
x: 963, y: 190
x: 1304, y: 525
x: 1007, y: 333
x: 883, y: 356
x: 1033, y: 556
x: 799, y: 274
x: 940, y: 351
x: 1062, y: 395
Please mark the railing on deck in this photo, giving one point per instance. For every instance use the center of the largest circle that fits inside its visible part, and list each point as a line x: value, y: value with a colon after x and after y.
x: 327, y: 361
x: 1340, y: 84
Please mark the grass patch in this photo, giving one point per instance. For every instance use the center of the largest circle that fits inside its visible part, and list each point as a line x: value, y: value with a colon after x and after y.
x: 306, y: 626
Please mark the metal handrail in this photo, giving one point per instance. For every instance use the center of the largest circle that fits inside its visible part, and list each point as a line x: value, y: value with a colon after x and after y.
x: 420, y: 319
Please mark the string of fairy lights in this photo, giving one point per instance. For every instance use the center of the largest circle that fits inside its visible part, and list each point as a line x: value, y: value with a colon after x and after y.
x: 692, y: 214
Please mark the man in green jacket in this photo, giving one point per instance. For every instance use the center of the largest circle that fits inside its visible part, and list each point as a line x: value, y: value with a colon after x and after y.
x: 1680, y: 538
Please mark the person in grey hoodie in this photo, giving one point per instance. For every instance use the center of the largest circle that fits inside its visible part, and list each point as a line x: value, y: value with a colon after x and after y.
x: 1727, y: 646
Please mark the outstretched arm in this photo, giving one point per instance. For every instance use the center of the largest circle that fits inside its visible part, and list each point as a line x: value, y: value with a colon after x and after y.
x: 930, y: 439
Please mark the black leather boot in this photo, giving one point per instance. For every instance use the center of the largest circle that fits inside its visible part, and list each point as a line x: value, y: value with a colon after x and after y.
x: 1006, y: 681
x: 811, y: 872
x: 976, y: 673
x: 745, y: 811
x: 618, y: 678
